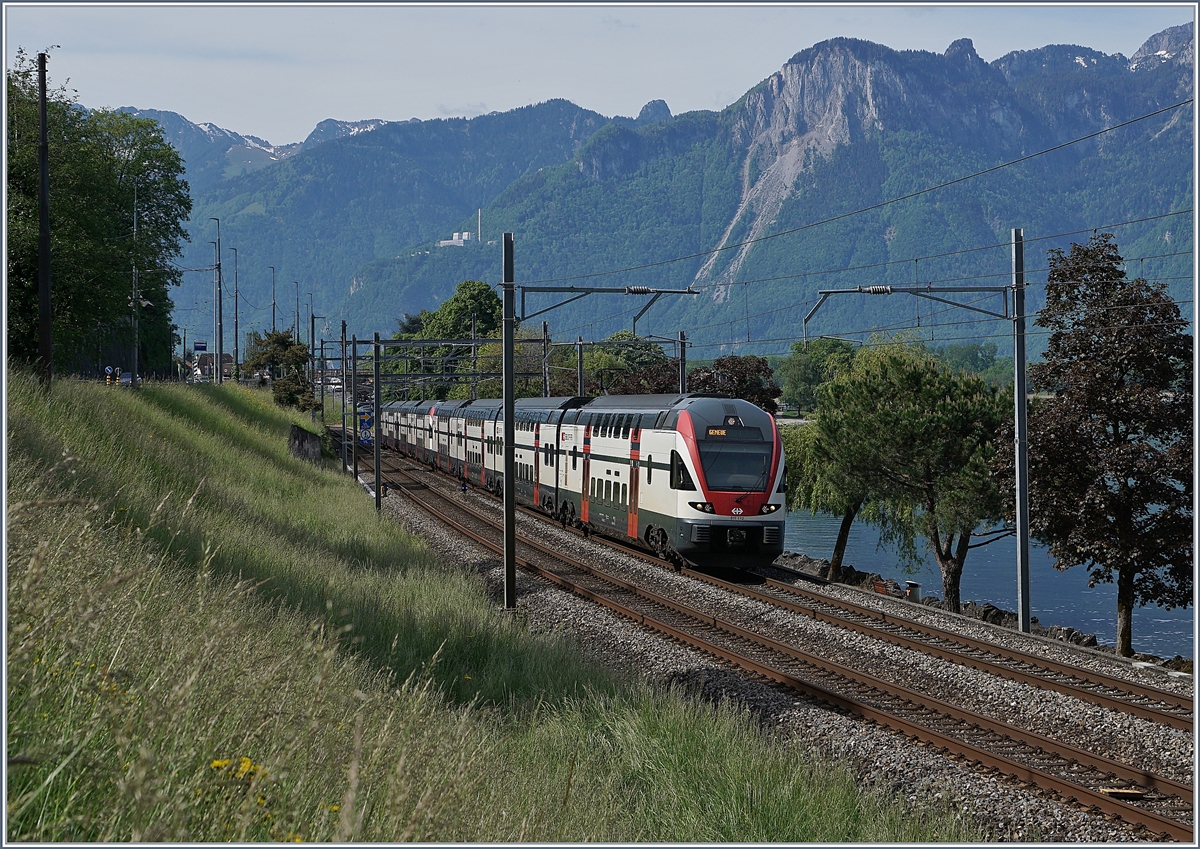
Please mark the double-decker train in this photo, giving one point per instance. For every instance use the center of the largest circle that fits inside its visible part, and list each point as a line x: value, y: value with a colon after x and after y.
x: 700, y: 476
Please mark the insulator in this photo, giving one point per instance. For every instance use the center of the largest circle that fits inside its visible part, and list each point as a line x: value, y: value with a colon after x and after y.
x: 637, y: 290
x: 877, y: 290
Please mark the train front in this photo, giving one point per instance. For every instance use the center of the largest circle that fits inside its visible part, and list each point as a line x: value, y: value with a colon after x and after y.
x: 735, y: 510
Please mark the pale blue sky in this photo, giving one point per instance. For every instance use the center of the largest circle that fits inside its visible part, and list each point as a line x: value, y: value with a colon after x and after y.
x: 275, y: 70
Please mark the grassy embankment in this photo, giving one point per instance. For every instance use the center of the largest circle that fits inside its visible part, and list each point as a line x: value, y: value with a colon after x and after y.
x: 210, y: 640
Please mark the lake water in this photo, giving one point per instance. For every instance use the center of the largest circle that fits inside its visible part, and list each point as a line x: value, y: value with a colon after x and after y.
x: 990, y: 575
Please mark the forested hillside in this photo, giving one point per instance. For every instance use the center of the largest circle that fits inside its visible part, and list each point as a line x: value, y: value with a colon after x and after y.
x: 844, y: 126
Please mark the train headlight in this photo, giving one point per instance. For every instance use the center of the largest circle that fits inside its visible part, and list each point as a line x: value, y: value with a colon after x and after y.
x: 767, y: 508
x: 702, y: 506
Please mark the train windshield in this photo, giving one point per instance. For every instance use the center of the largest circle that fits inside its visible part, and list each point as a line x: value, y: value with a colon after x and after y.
x: 736, y: 466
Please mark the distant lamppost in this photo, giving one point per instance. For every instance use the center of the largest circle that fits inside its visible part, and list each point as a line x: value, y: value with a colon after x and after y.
x: 219, y: 317
x: 296, y: 326
x: 272, y: 297
x: 237, y: 362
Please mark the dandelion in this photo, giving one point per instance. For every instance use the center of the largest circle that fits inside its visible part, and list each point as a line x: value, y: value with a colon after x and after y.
x: 334, y: 808
x: 220, y: 764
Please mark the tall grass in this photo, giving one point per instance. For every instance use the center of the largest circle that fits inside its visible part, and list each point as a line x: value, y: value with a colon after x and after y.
x: 211, y: 640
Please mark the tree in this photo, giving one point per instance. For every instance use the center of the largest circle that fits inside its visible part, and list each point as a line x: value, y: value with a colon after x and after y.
x: 917, y: 437
x: 747, y: 377
x: 98, y: 161
x: 817, y: 482
x: 1110, y: 451
x: 279, y: 353
x: 807, y: 368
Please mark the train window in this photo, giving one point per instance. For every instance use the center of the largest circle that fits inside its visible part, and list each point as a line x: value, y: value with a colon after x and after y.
x: 592, y: 489
x: 608, y: 491
x: 649, y: 468
x: 624, y: 493
x: 628, y: 420
x: 680, y: 477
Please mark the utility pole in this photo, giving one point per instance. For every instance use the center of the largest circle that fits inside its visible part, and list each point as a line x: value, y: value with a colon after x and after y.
x: 296, y: 326
x: 474, y: 359
x: 579, y: 366
x: 272, y: 297
x: 354, y: 404
x: 682, y: 363
x: 133, y: 304
x: 378, y: 431
x: 345, y: 380
x: 220, y: 317
x: 1021, y: 453
x: 45, y: 316
x: 545, y: 359
x: 237, y: 361
x: 510, y: 432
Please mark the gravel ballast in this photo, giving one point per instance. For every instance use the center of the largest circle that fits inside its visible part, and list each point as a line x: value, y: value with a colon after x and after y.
x: 883, y: 760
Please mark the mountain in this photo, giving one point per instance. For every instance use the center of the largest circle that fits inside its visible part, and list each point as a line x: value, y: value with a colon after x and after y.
x: 843, y: 126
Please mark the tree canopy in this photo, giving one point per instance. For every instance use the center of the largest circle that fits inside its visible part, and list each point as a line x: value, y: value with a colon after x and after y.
x: 100, y: 161
x: 1110, y: 443
x: 747, y: 377
x: 807, y: 368
x: 917, y: 437
x: 283, y: 356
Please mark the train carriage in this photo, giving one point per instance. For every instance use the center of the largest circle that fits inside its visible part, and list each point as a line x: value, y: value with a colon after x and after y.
x: 698, y: 475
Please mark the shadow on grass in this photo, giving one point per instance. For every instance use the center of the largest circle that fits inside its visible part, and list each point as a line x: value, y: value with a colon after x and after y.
x: 479, y: 656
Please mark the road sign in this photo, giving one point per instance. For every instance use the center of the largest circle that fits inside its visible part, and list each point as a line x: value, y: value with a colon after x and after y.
x: 108, y: 369
x: 200, y: 345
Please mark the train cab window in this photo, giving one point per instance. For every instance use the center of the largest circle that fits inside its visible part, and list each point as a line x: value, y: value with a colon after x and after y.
x: 680, y: 477
x: 783, y: 481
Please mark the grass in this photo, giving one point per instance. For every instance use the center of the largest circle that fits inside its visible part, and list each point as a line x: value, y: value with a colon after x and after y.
x: 211, y: 640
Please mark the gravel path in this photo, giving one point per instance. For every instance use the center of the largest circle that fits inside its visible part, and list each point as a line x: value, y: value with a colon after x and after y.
x: 882, y: 759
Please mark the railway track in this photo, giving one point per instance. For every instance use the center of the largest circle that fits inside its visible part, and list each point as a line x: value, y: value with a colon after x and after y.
x: 1135, y: 795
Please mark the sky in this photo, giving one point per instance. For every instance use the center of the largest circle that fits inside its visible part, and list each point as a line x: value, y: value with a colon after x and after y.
x: 275, y: 70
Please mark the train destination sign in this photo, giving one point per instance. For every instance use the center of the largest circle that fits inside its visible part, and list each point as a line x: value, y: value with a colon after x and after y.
x: 734, y: 432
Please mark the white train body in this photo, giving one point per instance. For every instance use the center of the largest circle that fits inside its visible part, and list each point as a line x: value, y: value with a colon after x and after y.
x: 700, y: 475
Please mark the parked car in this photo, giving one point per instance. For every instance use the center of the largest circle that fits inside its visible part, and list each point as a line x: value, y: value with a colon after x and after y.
x: 127, y: 378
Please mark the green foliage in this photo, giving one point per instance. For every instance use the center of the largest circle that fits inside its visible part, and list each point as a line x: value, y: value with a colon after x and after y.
x: 819, y: 483
x: 747, y: 377
x: 917, y: 437
x: 98, y: 160
x: 281, y: 355
x: 1110, y: 449
x: 806, y: 369
x: 977, y: 358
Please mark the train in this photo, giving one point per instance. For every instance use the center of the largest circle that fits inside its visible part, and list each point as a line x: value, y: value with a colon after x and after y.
x: 695, y: 478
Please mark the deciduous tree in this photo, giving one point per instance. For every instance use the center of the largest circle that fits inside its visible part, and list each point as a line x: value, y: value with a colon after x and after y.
x: 807, y: 368
x: 98, y: 160
x: 747, y: 377
x: 1110, y: 449
x: 818, y: 483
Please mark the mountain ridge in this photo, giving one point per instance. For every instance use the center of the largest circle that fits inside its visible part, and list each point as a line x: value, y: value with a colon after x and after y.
x: 357, y: 216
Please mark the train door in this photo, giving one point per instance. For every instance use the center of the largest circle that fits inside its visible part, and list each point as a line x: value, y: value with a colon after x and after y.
x: 635, y: 440
x: 586, y: 481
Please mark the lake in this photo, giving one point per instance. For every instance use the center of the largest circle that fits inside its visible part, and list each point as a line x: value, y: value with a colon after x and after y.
x: 990, y: 576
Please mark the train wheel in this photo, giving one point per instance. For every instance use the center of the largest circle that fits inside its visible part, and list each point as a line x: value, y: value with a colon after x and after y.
x: 657, y: 539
